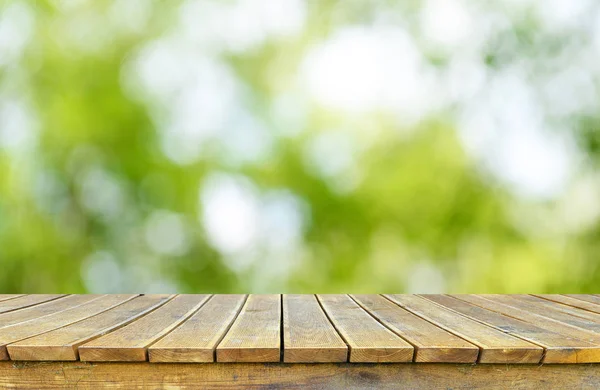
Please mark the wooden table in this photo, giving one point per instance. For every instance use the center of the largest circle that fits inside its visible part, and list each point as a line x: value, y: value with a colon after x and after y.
x: 302, y: 341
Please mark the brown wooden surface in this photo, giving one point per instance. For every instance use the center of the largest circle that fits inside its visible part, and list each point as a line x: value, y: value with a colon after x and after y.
x: 433, y: 344
x: 130, y: 342
x: 546, y: 313
x: 567, y: 331
x: 6, y: 297
x: 17, y: 332
x: 568, y: 300
x: 80, y: 375
x: 549, y: 308
x: 586, y: 297
x: 309, y: 337
x: 62, y: 343
x: 21, y: 302
x: 368, y: 339
x: 301, y: 329
x: 496, y: 346
x: 41, y: 310
x: 197, y: 338
x: 560, y: 348
x: 255, y: 336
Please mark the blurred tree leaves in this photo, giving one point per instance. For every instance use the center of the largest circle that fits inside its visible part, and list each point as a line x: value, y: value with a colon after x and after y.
x: 417, y: 204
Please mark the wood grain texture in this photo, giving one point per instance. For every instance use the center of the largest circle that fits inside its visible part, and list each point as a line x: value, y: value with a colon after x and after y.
x: 496, y: 346
x: 255, y: 336
x: 62, y: 343
x: 567, y: 300
x: 551, y: 306
x: 44, y: 309
x: 308, y: 335
x: 432, y: 344
x: 47, y: 323
x: 26, y: 301
x: 83, y: 376
x: 544, y: 311
x: 6, y: 297
x: 197, y: 338
x: 558, y: 347
x: 586, y: 297
x: 369, y: 341
x: 130, y: 343
x: 302, y: 328
x: 566, y: 330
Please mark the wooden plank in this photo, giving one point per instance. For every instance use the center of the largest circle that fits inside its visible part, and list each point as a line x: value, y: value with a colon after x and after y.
x: 432, y: 344
x: 62, y: 343
x: 44, y: 309
x: 566, y: 330
x: 6, y: 297
x: 545, y: 312
x: 130, y: 343
x: 558, y: 347
x: 308, y: 336
x: 255, y: 335
x: 586, y: 297
x: 197, y: 338
x: 553, y: 306
x: 20, y: 331
x: 369, y: 341
x: 496, y: 346
x: 80, y: 375
x: 567, y: 300
x: 27, y: 301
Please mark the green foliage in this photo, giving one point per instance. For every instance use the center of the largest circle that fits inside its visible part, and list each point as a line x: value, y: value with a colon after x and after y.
x: 415, y: 206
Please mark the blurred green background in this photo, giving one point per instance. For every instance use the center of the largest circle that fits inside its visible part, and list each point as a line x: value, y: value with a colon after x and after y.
x: 299, y: 146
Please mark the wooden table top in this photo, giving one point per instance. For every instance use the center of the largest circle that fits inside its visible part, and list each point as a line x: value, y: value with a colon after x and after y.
x: 301, y: 328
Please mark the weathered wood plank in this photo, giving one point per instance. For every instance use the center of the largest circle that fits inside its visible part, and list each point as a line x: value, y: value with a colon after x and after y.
x: 26, y: 301
x: 6, y: 297
x: 308, y: 335
x: 558, y: 347
x: 586, y: 297
x: 303, y: 328
x: 197, y: 338
x: 298, y: 376
x: 566, y: 330
x: 432, y: 344
x: 255, y: 336
x: 130, y: 342
x: 44, y: 324
x: 62, y: 343
x: 550, y: 306
x: 574, y: 302
x: 43, y: 309
x: 496, y: 346
x: 369, y: 341
x: 545, y: 311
